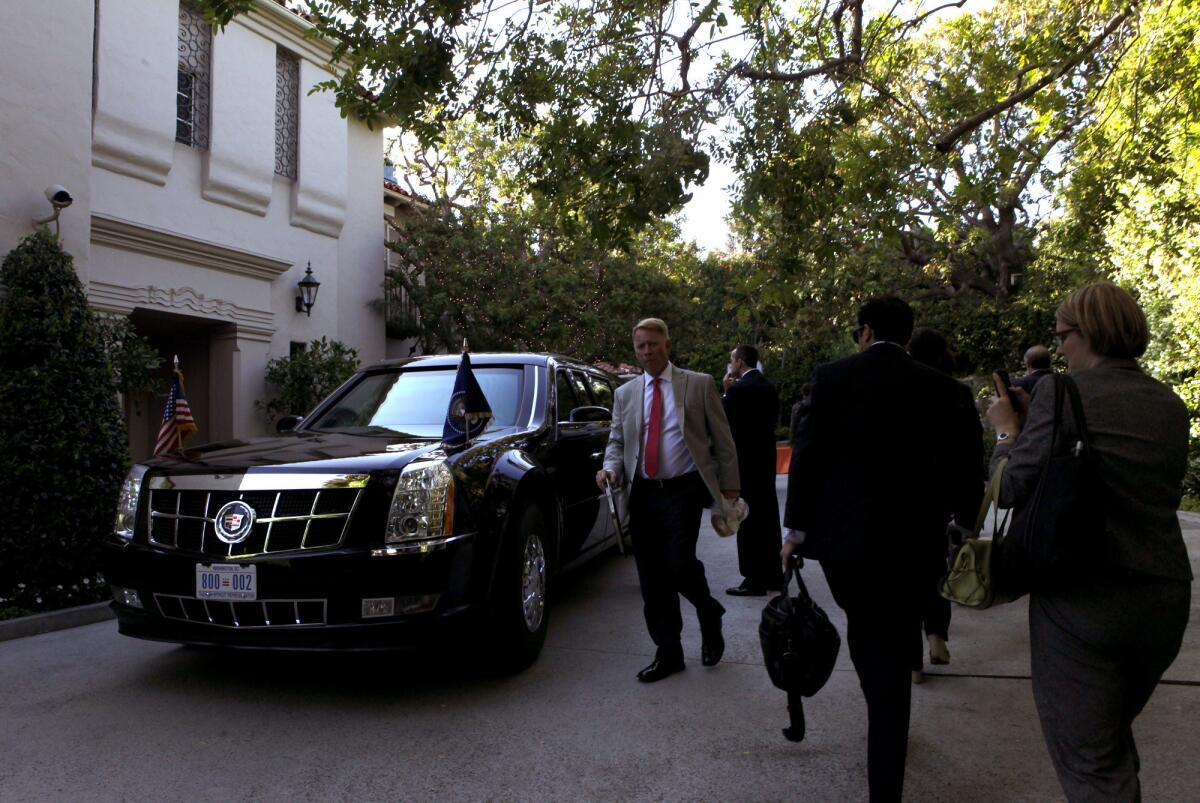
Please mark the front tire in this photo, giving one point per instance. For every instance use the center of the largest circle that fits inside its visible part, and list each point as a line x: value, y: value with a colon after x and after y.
x: 519, y: 617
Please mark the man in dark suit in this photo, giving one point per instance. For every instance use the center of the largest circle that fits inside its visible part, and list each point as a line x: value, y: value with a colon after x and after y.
x: 1037, y: 365
x: 752, y: 407
x: 887, y: 453
x: 670, y: 445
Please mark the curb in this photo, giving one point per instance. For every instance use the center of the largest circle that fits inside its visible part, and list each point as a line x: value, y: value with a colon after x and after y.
x: 55, y: 620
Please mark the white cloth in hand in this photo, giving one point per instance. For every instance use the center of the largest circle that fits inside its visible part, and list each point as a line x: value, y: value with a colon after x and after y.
x: 729, y: 515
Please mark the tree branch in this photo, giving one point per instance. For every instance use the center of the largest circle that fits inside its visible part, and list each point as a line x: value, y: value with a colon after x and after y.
x: 946, y: 142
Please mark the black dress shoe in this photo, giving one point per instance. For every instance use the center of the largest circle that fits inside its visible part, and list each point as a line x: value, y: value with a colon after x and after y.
x: 712, y: 644
x: 658, y: 670
x: 746, y: 591
x: 712, y: 649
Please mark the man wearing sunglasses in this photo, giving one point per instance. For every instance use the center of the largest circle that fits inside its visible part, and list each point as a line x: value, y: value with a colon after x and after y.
x: 887, y: 453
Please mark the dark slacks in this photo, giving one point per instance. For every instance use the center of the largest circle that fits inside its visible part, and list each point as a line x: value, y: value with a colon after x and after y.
x: 935, y: 613
x: 759, y: 536
x: 664, y: 520
x: 882, y: 604
x: 1097, y: 653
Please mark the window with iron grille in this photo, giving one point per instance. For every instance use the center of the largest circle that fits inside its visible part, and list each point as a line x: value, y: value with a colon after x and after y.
x: 192, y: 87
x: 287, y: 112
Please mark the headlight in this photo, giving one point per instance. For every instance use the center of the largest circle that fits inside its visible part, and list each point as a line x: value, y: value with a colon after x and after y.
x: 423, y: 504
x: 127, y: 503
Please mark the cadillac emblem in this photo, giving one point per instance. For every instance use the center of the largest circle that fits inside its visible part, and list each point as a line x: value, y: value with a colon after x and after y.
x: 234, y: 522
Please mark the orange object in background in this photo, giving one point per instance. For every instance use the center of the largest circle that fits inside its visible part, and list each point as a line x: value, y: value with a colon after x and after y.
x: 783, y: 459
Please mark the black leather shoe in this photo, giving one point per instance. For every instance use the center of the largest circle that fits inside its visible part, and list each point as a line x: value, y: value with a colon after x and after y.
x: 711, y: 650
x: 659, y: 670
x: 712, y: 645
x: 746, y: 591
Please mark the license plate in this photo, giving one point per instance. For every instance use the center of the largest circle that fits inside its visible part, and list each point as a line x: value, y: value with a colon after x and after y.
x: 226, y: 581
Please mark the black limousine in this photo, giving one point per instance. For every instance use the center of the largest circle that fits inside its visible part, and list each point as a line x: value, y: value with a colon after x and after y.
x: 357, y: 529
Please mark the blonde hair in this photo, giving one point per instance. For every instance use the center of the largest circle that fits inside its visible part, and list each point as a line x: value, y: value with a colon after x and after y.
x: 1108, y: 317
x: 654, y: 325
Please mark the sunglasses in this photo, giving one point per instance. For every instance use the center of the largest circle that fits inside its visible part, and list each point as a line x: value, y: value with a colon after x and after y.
x: 857, y: 333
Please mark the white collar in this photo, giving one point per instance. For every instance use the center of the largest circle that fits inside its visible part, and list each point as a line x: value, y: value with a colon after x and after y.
x: 664, y: 376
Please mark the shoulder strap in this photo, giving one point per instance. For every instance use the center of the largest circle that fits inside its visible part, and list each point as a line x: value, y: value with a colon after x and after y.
x: 1072, y: 390
x: 991, y: 498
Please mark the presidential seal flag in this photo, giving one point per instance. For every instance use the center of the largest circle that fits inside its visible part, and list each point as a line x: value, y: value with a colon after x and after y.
x: 469, y: 411
x: 177, y: 420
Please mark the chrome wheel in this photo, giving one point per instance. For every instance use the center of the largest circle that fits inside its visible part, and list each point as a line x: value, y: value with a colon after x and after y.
x: 533, y: 582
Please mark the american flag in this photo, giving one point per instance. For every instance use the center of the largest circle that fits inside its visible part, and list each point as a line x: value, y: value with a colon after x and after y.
x: 177, y: 420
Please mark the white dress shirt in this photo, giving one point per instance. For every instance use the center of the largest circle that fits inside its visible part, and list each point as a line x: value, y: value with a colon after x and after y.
x: 674, y: 459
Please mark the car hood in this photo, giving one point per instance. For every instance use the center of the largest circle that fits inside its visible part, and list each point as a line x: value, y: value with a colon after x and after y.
x: 306, y: 451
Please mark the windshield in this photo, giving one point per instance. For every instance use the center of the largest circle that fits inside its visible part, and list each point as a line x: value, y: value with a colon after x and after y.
x: 414, y: 402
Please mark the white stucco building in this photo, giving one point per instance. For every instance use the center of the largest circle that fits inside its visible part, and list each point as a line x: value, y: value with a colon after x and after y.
x: 205, y: 179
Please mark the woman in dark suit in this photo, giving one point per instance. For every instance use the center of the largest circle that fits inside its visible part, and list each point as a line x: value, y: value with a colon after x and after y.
x: 1101, y: 641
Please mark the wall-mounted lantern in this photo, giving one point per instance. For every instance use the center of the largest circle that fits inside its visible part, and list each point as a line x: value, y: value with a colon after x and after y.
x: 308, y: 292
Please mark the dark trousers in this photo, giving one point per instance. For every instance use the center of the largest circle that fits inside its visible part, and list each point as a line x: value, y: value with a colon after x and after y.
x: 664, y: 519
x: 759, y: 536
x: 935, y: 614
x: 882, y: 602
x: 1097, y: 653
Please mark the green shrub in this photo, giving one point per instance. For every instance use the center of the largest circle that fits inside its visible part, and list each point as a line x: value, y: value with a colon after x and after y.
x: 307, y: 377
x: 63, y: 447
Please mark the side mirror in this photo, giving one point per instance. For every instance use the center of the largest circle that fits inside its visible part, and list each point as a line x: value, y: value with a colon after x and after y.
x: 590, y: 414
x: 288, y: 423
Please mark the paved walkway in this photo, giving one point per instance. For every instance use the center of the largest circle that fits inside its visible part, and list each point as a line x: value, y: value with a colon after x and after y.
x: 91, y: 715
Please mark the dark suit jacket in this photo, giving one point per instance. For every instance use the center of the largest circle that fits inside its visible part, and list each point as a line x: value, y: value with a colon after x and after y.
x: 1138, y: 431
x: 1028, y: 382
x: 752, y: 407
x: 888, y: 450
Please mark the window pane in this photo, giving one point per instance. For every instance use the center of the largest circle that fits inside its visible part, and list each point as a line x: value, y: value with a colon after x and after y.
x: 195, y: 57
x: 602, y: 392
x: 566, y: 396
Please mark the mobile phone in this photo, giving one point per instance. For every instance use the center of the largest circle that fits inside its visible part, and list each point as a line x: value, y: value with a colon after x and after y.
x: 1003, y: 383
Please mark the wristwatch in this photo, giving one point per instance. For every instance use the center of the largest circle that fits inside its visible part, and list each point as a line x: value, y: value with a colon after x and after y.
x: 1002, y: 436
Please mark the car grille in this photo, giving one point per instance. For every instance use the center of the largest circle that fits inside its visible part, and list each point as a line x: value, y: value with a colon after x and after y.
x: 243, y: 613
x: 285, y: 520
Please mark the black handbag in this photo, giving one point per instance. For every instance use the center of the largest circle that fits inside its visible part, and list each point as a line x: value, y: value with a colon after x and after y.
x: 1055, y: 532
x: 800, y: 646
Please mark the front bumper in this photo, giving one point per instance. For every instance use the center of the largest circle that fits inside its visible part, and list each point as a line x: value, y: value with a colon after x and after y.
x: 444, y: 590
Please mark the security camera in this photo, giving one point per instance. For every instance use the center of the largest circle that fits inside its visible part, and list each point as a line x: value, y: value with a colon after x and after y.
x: 58, y: 196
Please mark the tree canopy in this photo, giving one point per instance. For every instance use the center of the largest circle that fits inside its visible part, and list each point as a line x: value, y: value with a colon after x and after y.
x: 980, y: 158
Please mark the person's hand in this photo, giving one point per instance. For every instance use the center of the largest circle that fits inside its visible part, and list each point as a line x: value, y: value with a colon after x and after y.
x: 730, y: 495
x: 1020, y: 401
x: 728, y: 381
x: 1001, y: 414
x: 604, y: 478
x: 787, y: 550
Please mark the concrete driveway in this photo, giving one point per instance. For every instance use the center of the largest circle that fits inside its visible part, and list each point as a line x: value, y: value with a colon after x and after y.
x: 91, y: 715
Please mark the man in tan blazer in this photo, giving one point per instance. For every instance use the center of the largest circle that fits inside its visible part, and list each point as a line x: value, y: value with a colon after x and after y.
x: 670, y: 446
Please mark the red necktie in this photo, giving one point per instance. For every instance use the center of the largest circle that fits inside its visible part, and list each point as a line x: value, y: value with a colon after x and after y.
x: 654, y: 430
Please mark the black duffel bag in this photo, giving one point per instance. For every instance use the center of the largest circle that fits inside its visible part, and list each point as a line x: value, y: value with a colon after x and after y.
x: 800, y: 646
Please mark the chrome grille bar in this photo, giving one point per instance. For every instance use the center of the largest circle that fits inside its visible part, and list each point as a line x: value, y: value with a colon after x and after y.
x: 209, y: 544
x: 232, y: 607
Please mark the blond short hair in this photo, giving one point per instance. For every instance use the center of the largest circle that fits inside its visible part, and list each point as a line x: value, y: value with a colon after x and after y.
x: 654, y: 325
x: 1109, y: 318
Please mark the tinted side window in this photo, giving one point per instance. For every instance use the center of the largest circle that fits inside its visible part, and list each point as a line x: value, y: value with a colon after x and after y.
x: 581, y: 389
x: 602, y: 392
x: 566, y: 396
